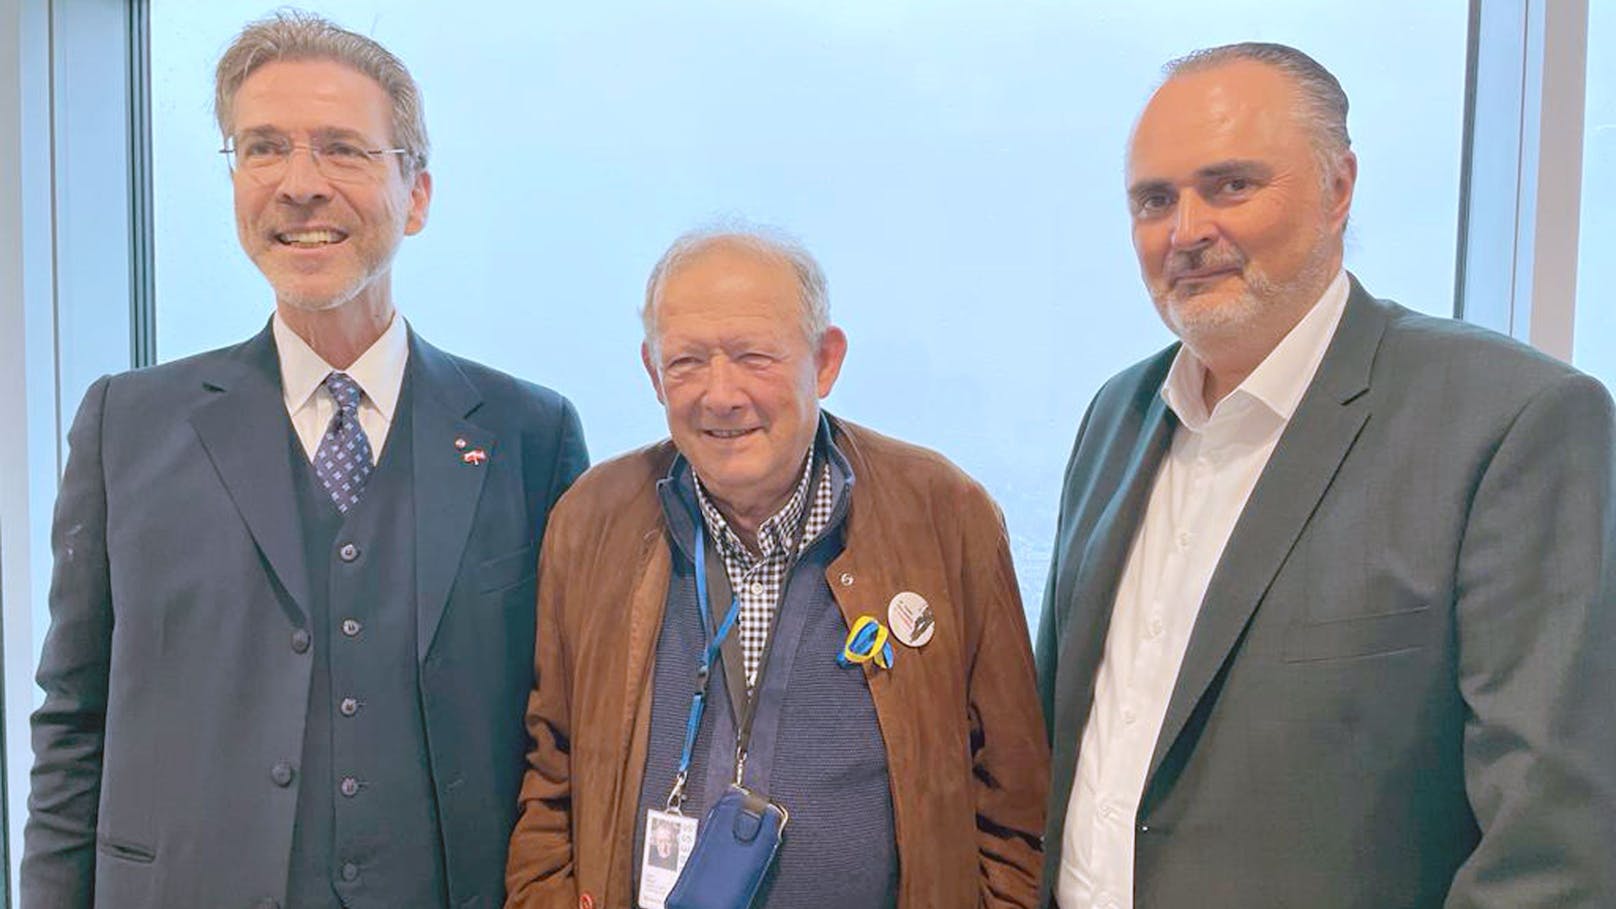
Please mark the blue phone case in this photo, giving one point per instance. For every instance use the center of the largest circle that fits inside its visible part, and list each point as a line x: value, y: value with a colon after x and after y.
x: 734, y: 849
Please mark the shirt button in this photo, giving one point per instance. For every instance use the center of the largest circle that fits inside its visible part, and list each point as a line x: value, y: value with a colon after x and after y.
x: 266, y: 903
x: 300, y: 641
x: 349, y: 706
x: 1184, y: 539
x: 847, y: 579
x: 350, y: 871
x: 281, y: 774
x: 351, y: 627
x: 1108, y: 811
x: 757, y: 588
x: 1128, y: 716
x: 349, y: 786
x: 1155, y: 627
x: 348, y: 552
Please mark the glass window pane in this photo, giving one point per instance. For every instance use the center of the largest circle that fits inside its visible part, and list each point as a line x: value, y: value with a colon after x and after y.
x: 955, y: 164
x: 1594, y: 338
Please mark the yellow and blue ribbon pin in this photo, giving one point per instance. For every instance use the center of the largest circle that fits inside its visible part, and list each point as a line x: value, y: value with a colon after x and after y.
x: 868, y: 640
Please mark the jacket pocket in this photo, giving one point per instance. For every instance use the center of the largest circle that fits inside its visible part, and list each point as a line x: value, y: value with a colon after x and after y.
x: 513, y: 569
x: 123, y: 849
x: 1359, y: 636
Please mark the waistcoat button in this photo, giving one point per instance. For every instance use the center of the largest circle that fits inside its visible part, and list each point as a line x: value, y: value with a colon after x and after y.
x: 281, y: 774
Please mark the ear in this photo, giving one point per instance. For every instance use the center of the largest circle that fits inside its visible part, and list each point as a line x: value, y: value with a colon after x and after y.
x: 651, y: 370
x: 420, y: 201
x: 828, y: 359
x: 1339, y: 199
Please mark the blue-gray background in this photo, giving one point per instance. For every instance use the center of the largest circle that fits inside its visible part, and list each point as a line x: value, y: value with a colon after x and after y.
x: 955, y: 165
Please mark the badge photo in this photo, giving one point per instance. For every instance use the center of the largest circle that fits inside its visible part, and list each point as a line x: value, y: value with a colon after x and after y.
x: 911, y: 619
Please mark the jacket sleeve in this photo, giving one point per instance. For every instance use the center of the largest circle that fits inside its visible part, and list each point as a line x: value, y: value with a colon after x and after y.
x: 58, y: 863
x: 1009, y: 754
x: 1536, y: 617
x: 572, y: 457
x: 539, y: 867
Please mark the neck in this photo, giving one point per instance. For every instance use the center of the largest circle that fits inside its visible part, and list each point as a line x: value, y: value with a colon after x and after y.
x: 1225, y: 373
x: 744, y: 518
x: 340, y: 334
x: 744, y: 524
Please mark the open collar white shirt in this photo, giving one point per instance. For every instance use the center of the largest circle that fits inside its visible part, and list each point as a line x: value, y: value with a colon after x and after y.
x: 1197, y: 496
x: 379, y: 372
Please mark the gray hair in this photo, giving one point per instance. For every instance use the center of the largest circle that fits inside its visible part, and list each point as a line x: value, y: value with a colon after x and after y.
x: 761, y: 241
x: 1324, y: 102
x: 291, y: 34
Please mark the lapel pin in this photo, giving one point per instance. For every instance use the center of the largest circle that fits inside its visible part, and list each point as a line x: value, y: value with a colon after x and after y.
x: 911, y: 619
x: 475, y: 457
x: 867, y: 642
x: 460, y: 444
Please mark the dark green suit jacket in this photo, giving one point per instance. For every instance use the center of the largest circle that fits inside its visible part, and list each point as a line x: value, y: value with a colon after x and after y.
x: 1400, y: 690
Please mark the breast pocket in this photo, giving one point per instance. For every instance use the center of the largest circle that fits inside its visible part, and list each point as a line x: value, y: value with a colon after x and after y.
x: 508, y: 572
x: 1359, y: 636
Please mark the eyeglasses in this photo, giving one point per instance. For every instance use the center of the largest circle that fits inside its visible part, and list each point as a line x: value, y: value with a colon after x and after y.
x: 264, y: 158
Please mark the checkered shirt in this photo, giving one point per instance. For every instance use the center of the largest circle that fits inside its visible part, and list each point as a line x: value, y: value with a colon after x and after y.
x: 758, y: 580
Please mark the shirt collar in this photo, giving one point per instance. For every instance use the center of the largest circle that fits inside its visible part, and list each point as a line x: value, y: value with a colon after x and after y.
x: 1278, y: 382
x: 774, y: 534
x: 379, y: 371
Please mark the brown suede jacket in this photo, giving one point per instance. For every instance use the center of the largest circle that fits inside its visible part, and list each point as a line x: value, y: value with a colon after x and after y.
x: 965, y: 743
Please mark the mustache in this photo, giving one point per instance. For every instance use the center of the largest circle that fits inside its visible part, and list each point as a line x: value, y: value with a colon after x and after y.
x: 1190, y: 261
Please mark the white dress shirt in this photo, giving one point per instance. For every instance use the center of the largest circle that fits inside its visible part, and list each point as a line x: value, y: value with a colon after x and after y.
x: 379, y: 372
x: 1198, y: 494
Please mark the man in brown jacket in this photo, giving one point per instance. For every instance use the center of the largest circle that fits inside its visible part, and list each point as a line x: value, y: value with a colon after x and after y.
x: 870, y: 672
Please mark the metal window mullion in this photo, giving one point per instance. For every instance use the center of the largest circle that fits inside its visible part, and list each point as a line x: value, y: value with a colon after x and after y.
x: 142, y: 252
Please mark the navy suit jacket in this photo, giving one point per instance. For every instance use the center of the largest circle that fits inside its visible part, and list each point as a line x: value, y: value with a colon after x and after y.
x: 1400, y: 689
x: 176, y: 672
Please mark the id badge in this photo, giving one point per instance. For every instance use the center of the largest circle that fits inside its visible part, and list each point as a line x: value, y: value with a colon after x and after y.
x: 668, y: 840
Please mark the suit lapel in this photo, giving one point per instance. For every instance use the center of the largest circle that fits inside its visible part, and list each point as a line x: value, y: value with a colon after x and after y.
x: 1309, y: 452
x: 452, y: 455
x: 243, y: 430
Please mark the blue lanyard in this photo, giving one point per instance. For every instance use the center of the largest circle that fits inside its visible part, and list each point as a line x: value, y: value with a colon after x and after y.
x: 698, y: 701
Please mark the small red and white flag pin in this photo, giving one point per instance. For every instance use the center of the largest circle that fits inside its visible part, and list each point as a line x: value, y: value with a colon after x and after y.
x: 476, y: 456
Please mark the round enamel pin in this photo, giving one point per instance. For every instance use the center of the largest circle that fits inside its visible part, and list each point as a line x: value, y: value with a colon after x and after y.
x: 911, y: 619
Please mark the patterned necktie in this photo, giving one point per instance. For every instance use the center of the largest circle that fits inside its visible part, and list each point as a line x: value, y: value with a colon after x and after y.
x: 342, y: 462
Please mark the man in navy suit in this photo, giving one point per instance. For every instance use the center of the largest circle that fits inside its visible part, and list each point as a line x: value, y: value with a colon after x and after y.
x: 292, y: 611
x: 1331, y: 620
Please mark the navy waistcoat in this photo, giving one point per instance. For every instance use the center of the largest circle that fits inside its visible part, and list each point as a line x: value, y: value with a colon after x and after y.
x: 366, y: 832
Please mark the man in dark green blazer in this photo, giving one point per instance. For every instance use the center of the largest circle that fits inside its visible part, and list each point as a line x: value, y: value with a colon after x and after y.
x: 1330, y: 620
